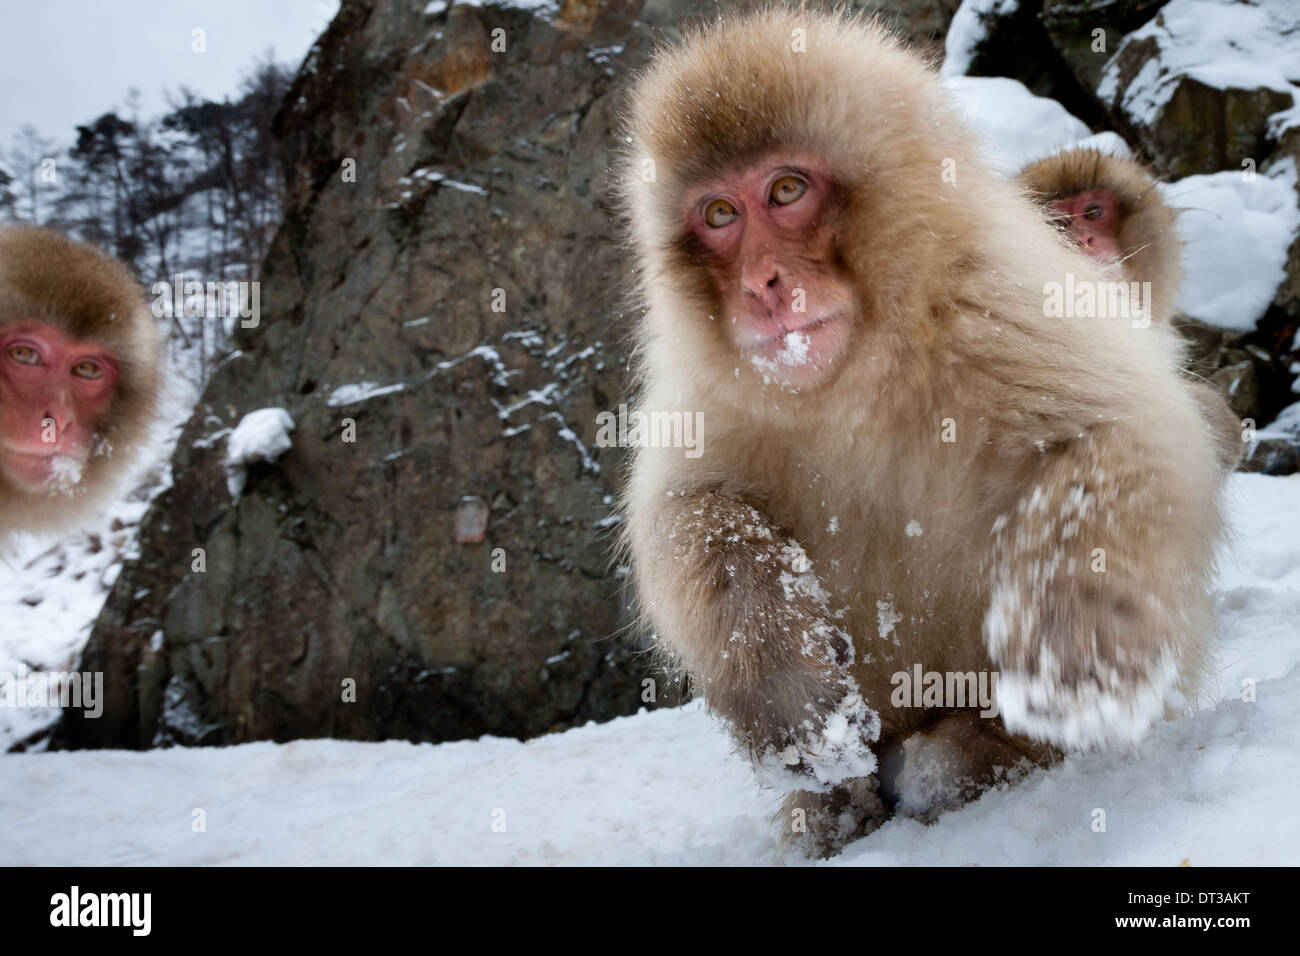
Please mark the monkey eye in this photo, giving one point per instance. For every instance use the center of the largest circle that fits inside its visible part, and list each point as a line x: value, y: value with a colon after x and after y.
x: 1095, y: 211
x: 720, y: 213
x: 787, y: 189
x: 24, y: 355
x: 87, y: 370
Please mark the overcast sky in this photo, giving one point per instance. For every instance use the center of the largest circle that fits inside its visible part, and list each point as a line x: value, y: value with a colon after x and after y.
x: 65, y: 62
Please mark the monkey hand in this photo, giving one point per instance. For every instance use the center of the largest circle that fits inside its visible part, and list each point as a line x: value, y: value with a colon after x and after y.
x: 824, y: 749
x: 821, y: 738
x: 1082, y: 663
x: 773, y: 663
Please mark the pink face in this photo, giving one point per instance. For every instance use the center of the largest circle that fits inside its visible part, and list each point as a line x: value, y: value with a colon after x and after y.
x: 1092, y: 220
x: 53, y: 391
x: 786, y: 308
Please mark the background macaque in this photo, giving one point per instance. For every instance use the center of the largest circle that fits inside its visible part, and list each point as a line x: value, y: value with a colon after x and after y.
x: 78, y: 378
x: 1110, y: 207
x: 909, y: 465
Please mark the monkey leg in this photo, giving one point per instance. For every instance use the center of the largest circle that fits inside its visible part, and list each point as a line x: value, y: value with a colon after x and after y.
x: 952, y: 762
x: 1099, y: 610
x: 738, y: 604
x: 921, y: 776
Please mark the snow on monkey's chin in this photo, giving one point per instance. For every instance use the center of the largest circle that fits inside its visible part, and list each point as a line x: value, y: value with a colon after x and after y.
x: 65, y: 472
x: 804, y: 356
x: 37, y: 474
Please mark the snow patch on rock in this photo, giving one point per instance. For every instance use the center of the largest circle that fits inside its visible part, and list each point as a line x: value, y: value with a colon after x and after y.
x: 260, y: 436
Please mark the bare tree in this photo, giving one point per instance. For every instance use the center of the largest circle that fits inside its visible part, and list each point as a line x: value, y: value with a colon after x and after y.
x: 34, y: 168
x: 7, y: 200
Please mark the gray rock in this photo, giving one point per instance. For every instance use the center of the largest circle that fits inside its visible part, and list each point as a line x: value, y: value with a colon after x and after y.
x: 1184, y: 125
x: 1073, y: 25
x: 1238, y: 383
x: 1277, y: 449
x: 446, y: 326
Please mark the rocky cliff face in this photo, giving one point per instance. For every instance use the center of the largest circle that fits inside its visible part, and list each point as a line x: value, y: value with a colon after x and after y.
x: 441, y: 319
x: 441, y: 316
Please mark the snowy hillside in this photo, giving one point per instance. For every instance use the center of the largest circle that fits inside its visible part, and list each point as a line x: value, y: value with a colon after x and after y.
x: 667, y: 788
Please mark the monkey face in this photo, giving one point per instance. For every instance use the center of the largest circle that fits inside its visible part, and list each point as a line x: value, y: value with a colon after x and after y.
x: 766, y: 238
x: 1092, y: 220
x: 53, y: 391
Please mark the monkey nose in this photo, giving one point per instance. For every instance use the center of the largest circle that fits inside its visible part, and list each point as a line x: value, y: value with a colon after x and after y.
x: 764, y: 285
x: 59, y: 417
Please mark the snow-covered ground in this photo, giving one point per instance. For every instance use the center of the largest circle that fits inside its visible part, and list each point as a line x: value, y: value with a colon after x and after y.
x: 666, y: 787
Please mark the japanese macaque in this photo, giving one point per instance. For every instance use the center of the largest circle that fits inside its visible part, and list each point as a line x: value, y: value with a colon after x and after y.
x: 913, y: 481
x: 78, y: 378
x: 1109, y: 206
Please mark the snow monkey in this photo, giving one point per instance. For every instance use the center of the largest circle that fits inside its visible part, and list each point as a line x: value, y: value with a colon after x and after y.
x: 914, y: 482
x: 1110, y: 207
x: 79, y: 353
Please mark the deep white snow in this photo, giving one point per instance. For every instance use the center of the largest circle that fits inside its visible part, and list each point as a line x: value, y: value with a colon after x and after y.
x: 1237, y: 229
x: 1217, y: 787
x: 1013, y: 124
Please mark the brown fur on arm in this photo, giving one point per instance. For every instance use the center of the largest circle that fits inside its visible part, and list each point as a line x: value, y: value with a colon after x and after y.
x: 1099, y: 602
x: 735, y: 600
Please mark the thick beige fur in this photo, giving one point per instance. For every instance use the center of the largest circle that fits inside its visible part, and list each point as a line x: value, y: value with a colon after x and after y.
x: 974, y: 554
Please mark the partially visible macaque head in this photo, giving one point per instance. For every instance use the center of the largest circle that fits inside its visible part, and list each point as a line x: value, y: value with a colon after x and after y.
x: 766, y: 232
x: 78, y: 377
x: 1110, y: 207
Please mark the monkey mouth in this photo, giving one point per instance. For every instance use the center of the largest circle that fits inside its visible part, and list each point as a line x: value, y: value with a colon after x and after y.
x: 41, y: 471
x: 784, y: 332
x: 803, y: 352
